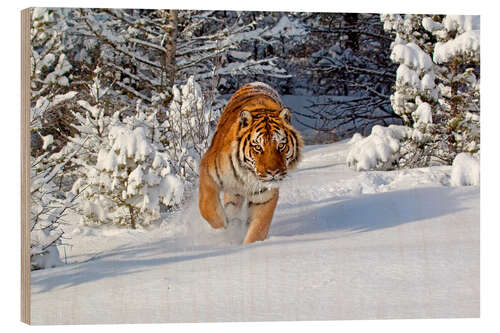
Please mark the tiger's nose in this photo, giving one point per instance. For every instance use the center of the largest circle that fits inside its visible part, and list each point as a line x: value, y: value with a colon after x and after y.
x: 273, y: 172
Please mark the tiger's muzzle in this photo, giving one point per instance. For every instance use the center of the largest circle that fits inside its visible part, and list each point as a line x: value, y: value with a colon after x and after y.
x: 274, y: 175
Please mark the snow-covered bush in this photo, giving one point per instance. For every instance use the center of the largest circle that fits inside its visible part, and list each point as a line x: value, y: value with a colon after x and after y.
x: 465, y: 170
x: 123, y: 173
x: 130, y: 181
x: 379, y: 150
x: 47, y: 213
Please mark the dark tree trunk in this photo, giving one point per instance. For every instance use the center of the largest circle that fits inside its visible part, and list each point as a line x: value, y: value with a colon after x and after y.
x: 352, y: 34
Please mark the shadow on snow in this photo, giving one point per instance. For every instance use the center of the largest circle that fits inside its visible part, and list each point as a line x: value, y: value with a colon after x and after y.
x: 359, y: 214
x: 368, y: 212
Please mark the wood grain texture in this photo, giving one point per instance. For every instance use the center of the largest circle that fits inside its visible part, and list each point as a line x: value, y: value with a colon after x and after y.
x: 25, y: 171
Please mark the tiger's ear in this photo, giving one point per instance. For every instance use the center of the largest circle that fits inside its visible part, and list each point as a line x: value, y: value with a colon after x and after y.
x: 286, y: 114
x: 245, y: 118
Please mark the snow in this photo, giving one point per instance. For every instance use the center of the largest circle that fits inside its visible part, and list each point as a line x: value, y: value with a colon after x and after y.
x: 287, y: 28
x: 423, y: 113
x: 62, y: 98
x: 47, y: 141
x: 465, y: 170
x: 466, y: 43
x: 356, y: 138
x: 428, y: 81
x: 129, y: 144
x: 379, y: 149
x: 44, y: 256
x: 342, y: 245
x: 430, y: 25
x: 62, y: 67
x: 462, y: 23
x: 405, y: 75
x: 240, y: 55
x: 412, y: 56
x: 94, y: 110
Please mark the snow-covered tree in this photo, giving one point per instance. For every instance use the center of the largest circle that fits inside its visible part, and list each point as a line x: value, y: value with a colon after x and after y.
x: 48, y: 210
x: 187, y: 130
x: 49, y: 125
x: 145, y: 52
x: 127, y: 170
x: 130, y: 181
x: 121, y: 170
x: 416, y: 94
x: 50, y: 78
x: 93, y: 119
x: 49, y: 64
x: 347, y: 55
x: 437, y: 89
x: 456, y: 55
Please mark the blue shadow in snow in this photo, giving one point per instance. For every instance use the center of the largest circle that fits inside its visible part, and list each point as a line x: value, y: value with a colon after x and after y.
x: 123, y: 260
x: 358, y: 214
x: 371, y: 211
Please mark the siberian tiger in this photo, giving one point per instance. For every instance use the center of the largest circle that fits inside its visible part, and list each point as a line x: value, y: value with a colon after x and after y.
x: 252, y: 150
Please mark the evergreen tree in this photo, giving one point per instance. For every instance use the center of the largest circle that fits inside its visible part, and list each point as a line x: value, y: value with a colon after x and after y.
x: 456, y: 55
x: 437, y: 91
x: 131, y: 179
x: 415, y: 96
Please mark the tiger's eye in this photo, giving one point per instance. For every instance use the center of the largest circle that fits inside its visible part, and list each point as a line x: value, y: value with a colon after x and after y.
x: 281, y: 146
x: 257, y: 148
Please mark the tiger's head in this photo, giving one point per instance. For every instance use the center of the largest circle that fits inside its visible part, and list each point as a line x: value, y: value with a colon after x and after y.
x: 268, y: 145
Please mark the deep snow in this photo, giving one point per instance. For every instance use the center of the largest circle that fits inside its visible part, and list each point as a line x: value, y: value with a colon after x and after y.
x: 342, y: 245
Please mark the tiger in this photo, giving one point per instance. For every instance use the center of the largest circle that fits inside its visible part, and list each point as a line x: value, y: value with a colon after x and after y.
x: 252, y: 150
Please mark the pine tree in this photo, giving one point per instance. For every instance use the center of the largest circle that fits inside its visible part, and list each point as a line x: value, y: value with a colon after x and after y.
x: 457, y: 57
x: 131, y: 179
x: 416, y: 94
x: 121, y: 170
x: 437, y: 91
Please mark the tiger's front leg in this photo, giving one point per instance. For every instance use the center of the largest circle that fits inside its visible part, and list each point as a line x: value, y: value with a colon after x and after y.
x: 209, y: 200
x: 233, y: 204
x: 260, y: 214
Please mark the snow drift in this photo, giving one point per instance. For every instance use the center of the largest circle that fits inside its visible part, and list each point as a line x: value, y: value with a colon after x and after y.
x: 342, y: 245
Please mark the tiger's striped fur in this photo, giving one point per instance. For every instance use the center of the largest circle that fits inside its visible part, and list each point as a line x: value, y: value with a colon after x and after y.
x: 252, y: 150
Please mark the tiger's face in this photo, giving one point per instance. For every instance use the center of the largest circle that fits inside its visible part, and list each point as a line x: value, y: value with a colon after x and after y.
x: 268, y: 145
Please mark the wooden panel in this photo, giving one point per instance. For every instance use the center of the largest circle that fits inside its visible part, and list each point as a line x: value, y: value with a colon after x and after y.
x: 25, y: 171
